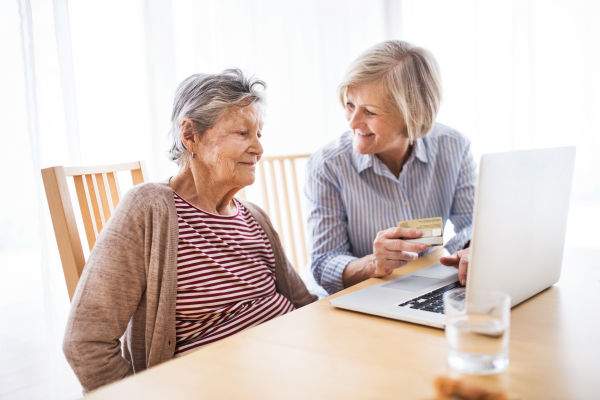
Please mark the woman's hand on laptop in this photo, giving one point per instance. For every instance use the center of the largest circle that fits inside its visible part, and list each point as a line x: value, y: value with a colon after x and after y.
x: 459, y: 260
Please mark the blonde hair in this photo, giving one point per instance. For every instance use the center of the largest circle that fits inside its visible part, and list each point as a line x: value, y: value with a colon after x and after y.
x: 408, y: 75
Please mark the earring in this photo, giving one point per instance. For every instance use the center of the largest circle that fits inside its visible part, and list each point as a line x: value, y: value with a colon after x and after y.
x: 193, y: 154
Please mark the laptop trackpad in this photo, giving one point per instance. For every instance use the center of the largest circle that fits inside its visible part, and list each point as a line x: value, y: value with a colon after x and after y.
x: 412, y: 283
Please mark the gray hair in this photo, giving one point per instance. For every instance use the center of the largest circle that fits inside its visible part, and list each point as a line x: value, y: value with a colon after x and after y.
x: 408, y: 75
x: 206, y: 98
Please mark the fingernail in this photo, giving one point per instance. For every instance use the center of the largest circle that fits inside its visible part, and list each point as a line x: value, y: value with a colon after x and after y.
x: 417, y: 232
x: 423, y: 247
x: 462, y: 281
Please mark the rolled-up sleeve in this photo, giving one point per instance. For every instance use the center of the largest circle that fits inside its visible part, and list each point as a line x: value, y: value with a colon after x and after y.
x: 330, y: 248
x: 461, y: 212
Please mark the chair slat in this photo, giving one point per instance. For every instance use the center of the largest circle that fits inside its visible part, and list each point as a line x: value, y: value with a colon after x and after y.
x: 139, y: 175
x: 93, y: 197
x: 115, y: 188
x: 136, y: 176
x: 303, y: 253
x: 102, y: 191
x: 275, y: 198
x: 265, y: 193
x: 98, y: 194
x: 269, y: 183
x: 108, y: 195
x: 86, y: 210
x: 288, y: 214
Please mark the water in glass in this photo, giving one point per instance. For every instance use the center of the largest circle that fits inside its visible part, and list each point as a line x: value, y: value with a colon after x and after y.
x: 478, y: 336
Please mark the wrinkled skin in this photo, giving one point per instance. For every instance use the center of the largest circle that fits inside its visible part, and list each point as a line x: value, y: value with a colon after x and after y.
x: 224, y: 161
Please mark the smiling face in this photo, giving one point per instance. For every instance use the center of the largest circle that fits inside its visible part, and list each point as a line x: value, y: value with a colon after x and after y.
x: 228, y: 152
x: 377, y: 126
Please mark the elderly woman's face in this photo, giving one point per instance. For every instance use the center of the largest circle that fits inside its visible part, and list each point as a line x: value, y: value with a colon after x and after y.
x: 377, y: 127
x: 230, y: 150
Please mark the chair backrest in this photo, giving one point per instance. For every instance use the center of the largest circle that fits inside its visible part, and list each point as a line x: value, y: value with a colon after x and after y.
x: 276, y: 166
x: 98, y: 194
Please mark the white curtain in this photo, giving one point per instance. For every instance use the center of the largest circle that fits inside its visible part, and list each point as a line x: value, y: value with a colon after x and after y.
x: 92, y: 83
x: 521, y: 74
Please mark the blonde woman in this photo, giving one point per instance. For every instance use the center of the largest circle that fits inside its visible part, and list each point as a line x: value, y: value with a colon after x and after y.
x: 395, y: 164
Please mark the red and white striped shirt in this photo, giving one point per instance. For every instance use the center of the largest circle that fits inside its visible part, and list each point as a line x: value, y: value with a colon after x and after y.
x: 225, y: 276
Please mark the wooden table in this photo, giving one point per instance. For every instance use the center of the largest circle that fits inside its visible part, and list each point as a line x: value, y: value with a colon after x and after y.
x: 320, y: 352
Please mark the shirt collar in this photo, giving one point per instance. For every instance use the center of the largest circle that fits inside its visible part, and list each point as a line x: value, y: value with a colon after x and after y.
x: 420, y: 150
x: 364, y: 161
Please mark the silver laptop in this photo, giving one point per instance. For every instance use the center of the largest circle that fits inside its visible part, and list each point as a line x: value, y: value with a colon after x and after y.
x: 519, y: 228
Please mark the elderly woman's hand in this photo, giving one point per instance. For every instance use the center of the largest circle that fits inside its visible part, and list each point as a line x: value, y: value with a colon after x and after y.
x: 391, y: 252
x: 459, y: 260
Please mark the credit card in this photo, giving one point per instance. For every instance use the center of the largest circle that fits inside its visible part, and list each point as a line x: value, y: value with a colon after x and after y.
x: 432, y: 228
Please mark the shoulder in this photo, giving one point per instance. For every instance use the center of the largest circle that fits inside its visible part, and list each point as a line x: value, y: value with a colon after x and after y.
x: 145, y: 207
x: 146, y: 196
x: 444, y: 142
x: 336, y: 152
x: 442, y: 134
x: 151, y: 188
x: 449, y: 150
x: 148, y: 192
x: 338, y: 148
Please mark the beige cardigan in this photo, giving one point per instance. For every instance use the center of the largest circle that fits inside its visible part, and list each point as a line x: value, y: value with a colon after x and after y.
x: 128, y: 289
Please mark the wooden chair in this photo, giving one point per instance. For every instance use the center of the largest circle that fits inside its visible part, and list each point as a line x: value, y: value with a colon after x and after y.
x: 270, y: 185
x: 98, y: 193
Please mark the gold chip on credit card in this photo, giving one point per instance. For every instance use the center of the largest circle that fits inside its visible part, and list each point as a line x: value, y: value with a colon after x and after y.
x: 432, y: 228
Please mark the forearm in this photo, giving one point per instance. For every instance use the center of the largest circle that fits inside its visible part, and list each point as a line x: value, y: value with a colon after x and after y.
x: 358, y: 270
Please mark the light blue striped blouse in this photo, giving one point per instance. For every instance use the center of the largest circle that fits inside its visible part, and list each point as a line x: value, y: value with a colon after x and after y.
x: 351, y: 197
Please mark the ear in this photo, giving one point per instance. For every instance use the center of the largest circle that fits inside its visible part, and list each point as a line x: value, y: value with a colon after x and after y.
x: 187, y: 133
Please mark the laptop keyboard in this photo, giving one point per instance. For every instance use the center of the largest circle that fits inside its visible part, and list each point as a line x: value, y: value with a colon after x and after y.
x: 432, y: 301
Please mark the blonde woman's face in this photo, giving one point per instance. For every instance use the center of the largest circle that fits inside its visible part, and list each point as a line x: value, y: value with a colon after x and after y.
x: 377, y: 127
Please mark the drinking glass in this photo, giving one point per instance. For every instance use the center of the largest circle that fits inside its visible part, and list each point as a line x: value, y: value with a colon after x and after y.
x: 477, y: 330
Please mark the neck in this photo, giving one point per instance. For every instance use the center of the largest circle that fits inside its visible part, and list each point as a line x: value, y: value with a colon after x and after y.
x: 199, y: 188
x: 396, y: 158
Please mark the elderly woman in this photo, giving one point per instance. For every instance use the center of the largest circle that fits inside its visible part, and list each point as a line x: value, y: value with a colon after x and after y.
x: 395, y: 164
x: 183, y: 263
